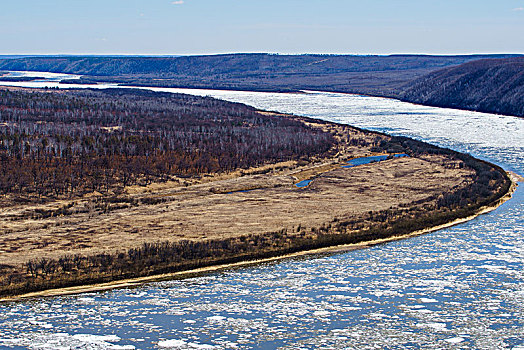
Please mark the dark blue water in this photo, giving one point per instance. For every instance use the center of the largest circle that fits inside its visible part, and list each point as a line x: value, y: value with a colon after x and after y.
x: 303, y: 183
x: 371, y: 159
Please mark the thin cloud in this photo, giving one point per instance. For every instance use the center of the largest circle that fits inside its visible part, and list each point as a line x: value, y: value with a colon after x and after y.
x: 177, y: 2
x: 515, y: 9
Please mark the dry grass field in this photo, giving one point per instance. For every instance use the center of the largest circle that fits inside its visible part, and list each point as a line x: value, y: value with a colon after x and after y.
x: 217, y: 210
x: 259, y: 212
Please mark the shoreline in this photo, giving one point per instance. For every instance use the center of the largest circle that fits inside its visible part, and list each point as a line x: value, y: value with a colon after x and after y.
x: 134, y: 282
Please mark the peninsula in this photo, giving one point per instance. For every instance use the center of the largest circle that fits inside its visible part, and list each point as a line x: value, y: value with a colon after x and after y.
x: 106, y: 185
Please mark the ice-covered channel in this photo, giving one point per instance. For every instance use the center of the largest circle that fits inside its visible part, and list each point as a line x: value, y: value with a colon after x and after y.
x: 458, y: 288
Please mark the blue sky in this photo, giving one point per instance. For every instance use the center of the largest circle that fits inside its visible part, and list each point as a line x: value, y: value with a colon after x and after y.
x: 285, y: 26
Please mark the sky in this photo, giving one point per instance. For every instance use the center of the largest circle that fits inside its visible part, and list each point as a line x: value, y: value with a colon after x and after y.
x: 181, y: 27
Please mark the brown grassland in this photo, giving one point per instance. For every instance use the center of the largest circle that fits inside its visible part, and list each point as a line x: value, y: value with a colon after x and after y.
x: 241, y: 215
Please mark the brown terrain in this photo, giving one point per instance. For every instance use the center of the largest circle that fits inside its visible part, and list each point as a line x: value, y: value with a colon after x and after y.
x: 214, y: 208
x: 245, y: 214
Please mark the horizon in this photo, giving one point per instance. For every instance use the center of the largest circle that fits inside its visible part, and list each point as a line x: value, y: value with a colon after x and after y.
x: 256, y: 53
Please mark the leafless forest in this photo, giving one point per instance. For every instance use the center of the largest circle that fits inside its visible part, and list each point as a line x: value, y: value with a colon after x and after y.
x: 65, y: 143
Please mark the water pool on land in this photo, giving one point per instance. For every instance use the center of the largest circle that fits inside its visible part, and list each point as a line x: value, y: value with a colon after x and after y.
x: 371, y: 159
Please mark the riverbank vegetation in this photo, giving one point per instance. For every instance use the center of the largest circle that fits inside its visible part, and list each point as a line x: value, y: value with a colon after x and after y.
x: 202, y: 216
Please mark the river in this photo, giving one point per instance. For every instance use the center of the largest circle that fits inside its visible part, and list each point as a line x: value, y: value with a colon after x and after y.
x: 457, y: 288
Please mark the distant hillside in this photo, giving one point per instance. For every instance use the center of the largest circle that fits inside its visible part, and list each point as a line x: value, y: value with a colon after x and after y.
x: 376, y: 75
x: 488, y: 83
x: 493, y: 86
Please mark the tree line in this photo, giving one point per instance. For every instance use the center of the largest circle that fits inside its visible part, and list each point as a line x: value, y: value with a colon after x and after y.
x: 64, y: 143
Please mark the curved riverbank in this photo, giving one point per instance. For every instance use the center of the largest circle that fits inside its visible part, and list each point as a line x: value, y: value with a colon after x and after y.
x: 133, y: 282
x: 72, y: 245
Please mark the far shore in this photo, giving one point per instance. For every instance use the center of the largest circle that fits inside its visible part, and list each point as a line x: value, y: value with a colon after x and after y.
x: 134, y: 282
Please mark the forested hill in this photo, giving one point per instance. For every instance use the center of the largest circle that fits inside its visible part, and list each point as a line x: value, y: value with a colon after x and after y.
x: 488, y: 83
x: 493, y: 86
x: 232, y: 63
x: 378, y: 75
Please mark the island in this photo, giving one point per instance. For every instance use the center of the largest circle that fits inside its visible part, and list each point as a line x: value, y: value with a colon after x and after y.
x: 107, y: 185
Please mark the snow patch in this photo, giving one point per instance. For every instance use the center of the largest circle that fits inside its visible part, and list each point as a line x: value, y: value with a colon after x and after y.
x: 216, y: 318
x: 321, y: 313
x: 90, y: 338
x: 177, y: 343
x: 171, y: 343
x: 428, y: 300
x: 455, y: 340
